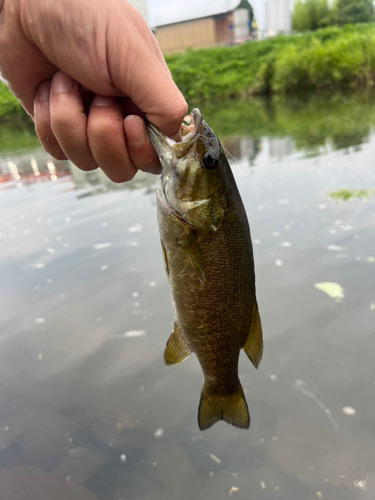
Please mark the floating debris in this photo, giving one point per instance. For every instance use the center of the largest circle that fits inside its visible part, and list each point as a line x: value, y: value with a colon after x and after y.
x: 135, y: 294
x: 100, y: 246
x: 40, y: 321
x: 276, y: 234
x: 135, y: 333
x: 334, y: 290
x: 159, y: 432
x: 152, y: 283
x: 319, y: 494
x: 349, y: 410
x: 213, y: 457
x: 273, y: 377
x: 104, y: 267
x: 322, y: 206
x: 40, y: 265
x: 335, y: 248
x: 104, y: 224
x: 285, y: 244
x: 123, y: 457
x: 361, y: 484
x: 348, y: 194
x: 370, y: 260
x: 40, y: 356
x: 233, y: 489
x: 67, y: 219
x: 135, y: 229
x: 279, y: 262
x: 372, y: 306
x: 51, y: 250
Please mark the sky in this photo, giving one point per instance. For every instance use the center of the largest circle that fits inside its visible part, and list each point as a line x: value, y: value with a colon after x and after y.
x: 172, y: 11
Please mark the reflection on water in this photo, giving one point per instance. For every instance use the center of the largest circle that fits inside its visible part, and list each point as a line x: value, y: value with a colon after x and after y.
x: 87, y: 408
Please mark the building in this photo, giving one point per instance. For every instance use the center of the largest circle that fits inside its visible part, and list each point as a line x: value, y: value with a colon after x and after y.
x: 179, y: 25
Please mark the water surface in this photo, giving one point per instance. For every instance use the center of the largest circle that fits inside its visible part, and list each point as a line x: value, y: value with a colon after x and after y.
x: 88, y: 409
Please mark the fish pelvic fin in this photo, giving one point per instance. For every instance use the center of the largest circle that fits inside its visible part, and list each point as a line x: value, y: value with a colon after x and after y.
x: 176, y: 350
x: 254, y: 342
x: 231, y: 408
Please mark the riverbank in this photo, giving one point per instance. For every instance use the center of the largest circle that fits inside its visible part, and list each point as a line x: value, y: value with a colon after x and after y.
x: 330, y: 58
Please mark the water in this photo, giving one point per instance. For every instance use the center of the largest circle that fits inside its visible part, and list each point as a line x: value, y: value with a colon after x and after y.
x: 88, y: 409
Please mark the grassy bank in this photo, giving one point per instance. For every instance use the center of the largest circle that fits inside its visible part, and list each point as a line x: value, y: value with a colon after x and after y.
x: 328, y: 58
x: 9, y: 107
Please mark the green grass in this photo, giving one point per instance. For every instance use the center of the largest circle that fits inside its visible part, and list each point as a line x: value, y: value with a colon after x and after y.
x: 328, y: 58
x: 9, y: 106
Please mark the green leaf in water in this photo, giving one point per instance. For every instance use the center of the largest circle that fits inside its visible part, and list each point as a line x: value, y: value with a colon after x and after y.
x: 334, y: 290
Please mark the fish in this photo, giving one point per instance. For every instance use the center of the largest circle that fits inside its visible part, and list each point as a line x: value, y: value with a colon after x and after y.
x: 208, y: 258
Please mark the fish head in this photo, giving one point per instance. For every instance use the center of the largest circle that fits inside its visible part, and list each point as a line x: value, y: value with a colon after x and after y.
x: 193, y: 173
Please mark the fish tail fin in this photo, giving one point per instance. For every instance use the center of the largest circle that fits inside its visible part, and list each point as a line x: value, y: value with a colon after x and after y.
x: 231, y: 408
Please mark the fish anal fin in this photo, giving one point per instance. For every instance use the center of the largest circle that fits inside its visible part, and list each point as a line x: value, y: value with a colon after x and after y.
x: 231, y: 408
x: 254, y: 342
x: 176, y: 350
x: 165, y: 258
x: 193, y: 254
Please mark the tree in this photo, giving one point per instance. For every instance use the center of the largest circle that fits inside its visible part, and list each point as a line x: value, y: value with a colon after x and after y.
x: 354, y: 11
x: 244, y: 4
x: 310, y: 15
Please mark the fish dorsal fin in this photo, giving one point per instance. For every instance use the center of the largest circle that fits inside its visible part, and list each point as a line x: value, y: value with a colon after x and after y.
x: 176, y: 350
x: 193, y: 254
x: 254, y: 343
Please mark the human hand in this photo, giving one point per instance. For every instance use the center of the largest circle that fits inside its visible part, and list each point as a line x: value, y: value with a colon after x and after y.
x: 53, y: 53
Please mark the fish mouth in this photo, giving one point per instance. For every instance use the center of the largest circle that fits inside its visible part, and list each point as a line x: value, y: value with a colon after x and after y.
x: 191, y: 128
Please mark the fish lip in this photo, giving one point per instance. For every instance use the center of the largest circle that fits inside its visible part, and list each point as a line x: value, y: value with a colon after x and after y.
x: 160, y: 141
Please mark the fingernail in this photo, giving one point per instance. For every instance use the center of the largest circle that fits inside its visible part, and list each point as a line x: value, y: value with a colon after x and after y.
x: 44, y: 91
x: 103, y: 100
x: 62, y: 83
x: 135, y: 132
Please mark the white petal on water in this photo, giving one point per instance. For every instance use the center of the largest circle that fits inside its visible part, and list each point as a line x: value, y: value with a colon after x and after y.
x: 370, y: 260
x: 263, y: 485
x: 104, y: 267
x: 372, y: 306
x: 273, y: 377
x: 322, y: 206
x: 67, y: 219
x: 285, y: 244
x: 360, y: 483
x: 123, y: 457
x: 135, y: 333
x: 135, y: 294
x: 40, y: 265
x: 256, y: 242
x: 159, y: 432
x: 40, y: 321
x: 349, y: 410
x: 334, y: 290
x: 100, y: 246
x: 135, y: 229
x: 152, y: 283
x: 333, y: 231
x: 233, y: 489
x: 279, y: 262
x: 335, y: 248
x: 275, y: 233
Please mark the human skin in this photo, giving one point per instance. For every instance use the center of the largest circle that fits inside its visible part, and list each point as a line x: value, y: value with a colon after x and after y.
x: 88, y: 72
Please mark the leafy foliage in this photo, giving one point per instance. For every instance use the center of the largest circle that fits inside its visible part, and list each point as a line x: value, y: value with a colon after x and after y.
x: 354, y: 11
x: 310, y: 15
x: 9, y: 106
x: 332, y: 57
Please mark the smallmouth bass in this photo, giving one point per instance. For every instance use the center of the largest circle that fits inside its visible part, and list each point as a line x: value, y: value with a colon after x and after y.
x: 208, y: 258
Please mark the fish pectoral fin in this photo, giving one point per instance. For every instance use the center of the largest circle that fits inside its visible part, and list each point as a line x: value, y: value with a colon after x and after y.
x: 231, y: 408
x: 165, y: 258
x: 254, y: 343
x: 193, y: 254
x: 176, y: 350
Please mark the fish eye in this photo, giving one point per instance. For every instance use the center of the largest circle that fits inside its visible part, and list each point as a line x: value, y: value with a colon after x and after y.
x: 210, y: 160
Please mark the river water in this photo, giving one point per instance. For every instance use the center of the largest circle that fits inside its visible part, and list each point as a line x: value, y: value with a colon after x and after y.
x: 87, y: 408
